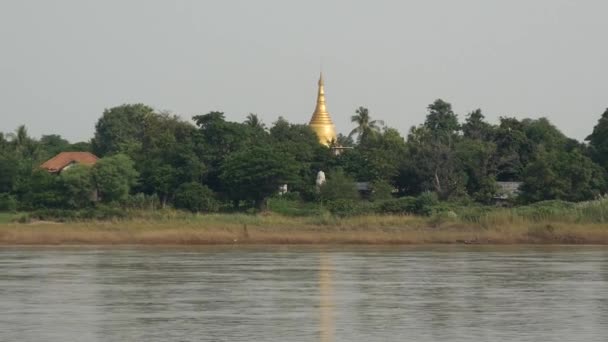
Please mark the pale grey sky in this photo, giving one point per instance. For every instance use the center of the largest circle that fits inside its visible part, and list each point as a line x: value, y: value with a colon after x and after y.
x: 62, y: 62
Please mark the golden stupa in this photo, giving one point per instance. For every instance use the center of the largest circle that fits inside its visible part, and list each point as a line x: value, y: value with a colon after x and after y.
x: 321, y: 121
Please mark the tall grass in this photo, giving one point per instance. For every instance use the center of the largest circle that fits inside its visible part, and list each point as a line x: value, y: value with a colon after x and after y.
x: 544, y: 222
x: 548, y: 211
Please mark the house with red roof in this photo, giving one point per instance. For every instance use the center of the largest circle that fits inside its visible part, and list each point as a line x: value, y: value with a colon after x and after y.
x: 65, y: 160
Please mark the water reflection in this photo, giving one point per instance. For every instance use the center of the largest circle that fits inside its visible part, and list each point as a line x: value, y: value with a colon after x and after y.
x: 326, y: 300
x: 304, y: 294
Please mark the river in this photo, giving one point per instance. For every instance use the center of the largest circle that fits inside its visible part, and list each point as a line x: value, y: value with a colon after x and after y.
x: 281, y: 293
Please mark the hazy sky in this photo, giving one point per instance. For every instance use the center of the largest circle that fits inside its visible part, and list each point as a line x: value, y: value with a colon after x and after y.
x: 63, y: 62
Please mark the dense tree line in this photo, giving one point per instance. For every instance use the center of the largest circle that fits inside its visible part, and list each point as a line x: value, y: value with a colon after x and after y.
x: 212, y: 163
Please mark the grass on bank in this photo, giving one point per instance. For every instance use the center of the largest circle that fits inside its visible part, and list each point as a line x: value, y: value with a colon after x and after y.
x: 7, y: 217
x: 293, y: 222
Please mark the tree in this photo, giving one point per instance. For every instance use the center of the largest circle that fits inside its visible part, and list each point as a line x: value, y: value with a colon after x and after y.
x: 9, y: 172
x: 432, y: 149
x: 38, y: 189
x: 476, y: 158
x: 256, y: 173
x: 376, y: 158
x: 563, y: 175
x: 254, y: 121
x: 513, y: 149
x: 195, y: 197
x: 476, y: 128
x: 598, y: 141
x: 24, y: 147
x: 339, y: 186
x: 219, y: 138
x: 77, y: 185
x: 301, y: 142
x: 441, y: 120
x: 365, y: 125
x: 120, y: 130
x: 53, y: 144
x: 114, y: 176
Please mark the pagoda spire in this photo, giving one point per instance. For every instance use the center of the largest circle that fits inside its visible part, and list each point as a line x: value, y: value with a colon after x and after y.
x: 321, y: 121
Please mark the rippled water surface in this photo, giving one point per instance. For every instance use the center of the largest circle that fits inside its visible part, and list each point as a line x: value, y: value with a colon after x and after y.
x: 304, y: 294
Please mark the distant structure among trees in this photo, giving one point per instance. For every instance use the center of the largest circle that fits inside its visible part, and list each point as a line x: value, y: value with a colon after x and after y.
x: 211, y: 163
x: 65, y: 160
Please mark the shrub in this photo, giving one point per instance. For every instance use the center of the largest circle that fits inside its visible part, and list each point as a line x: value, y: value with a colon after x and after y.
x: 195, y: 197
x: 101, y: 212
x: 345, y: 207
x: 403, y: 205
x: 7, y: 202
x: 339, y: 187
x: 381, y: 190
x: 424, y: 205
x: 290, y: 196
x: 283, y: 206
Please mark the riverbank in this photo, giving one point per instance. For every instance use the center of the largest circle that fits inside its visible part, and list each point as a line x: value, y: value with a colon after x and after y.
x: 277, y: 229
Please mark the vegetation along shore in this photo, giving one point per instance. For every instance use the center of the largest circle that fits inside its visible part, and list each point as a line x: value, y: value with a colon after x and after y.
x: 551, y: 222
x: 149, y: 177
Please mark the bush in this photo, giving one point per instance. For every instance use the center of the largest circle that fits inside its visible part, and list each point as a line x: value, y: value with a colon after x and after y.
x: 346, y: 207
x: 381, y: 190
x: 7, y: 202
x: 195, y: 197
x: 286, y: 207
x: 339, y: 187
x: 290, y: 196
x: 403, y: 205
x: 101, y: 212
x: 424, y: 205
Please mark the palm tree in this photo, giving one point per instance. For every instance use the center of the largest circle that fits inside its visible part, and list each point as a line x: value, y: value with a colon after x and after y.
x: 254, y: 121
x: 365, y: 126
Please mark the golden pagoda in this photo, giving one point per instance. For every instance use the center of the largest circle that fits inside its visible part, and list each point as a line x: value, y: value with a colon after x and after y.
x: 321, y: 121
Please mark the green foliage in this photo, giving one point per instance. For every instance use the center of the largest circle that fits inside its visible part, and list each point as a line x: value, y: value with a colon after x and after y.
x: 366, y: 127
x: 256, y: 173
x: 425, y: 204
x: 100, y: 212
x: 401, y: 206
x: 9, y: 172
x: 153, y: 153
x: 120, y: 129
x: 39, y: 189
x: 77, y: 185
x: 114, y: 176
x: 598, y: 140
x: 338, y: 186
x: 301, y: 142
x: 293, y: 207
x: 53, y: 144
x: 441, y: 120
x: 7, y: 202
x: 381, y: 190
x: 477, y: 160
x: 476, y: 128
x: 568, y: 176
x: 195, y: 197
x: 346, y: 207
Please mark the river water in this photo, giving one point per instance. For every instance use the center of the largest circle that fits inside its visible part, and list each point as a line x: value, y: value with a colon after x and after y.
x: 277, y: 293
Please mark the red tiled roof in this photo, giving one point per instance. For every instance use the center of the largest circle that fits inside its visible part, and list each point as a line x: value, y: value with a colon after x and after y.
x: 63, y: 159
